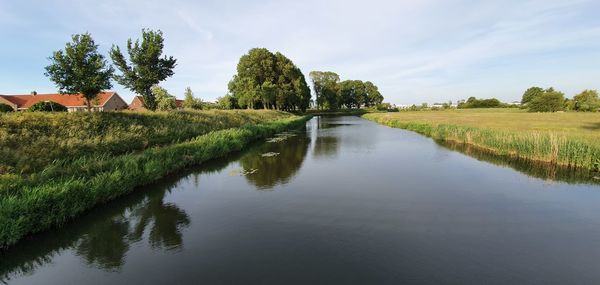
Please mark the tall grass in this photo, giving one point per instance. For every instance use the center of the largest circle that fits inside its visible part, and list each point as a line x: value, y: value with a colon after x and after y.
x: 30, y: 141
x: 544, y: 146
x: 66, y: 188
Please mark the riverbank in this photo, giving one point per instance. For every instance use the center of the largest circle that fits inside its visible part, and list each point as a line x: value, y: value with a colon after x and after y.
x: 66, y: 188
x: 565, y: 139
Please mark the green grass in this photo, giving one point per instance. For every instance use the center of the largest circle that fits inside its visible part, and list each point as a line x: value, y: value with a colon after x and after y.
x: 30, y: 141
x: 566, y: 139
x: 66, y: 188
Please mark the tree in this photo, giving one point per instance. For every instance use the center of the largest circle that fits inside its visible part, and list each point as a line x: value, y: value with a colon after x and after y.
x: 147, y: 68
x: 586, y: 101
x: 80, y: 69
x: 47, y: 106
x: 269, y: 81
x: 254, y: 79
x: 531, y: 93
x: 189, y: 102
x: 549, y: 101
x: 325, y: 85
x: 292, y: 91
x: 373, y: 96
x: 164, y: 100
x: 227, y: 102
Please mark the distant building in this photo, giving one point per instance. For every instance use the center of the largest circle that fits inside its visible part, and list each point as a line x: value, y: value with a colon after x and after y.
x: 137, y: 104
x: 105, y: 101
x: 515, y: 103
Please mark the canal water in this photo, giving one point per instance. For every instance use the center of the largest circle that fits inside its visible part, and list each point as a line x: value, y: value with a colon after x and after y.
x: 341, y: 201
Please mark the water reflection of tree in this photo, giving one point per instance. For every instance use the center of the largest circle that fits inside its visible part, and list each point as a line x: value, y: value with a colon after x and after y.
x: 277, y: 169
x: 167, y: 221
x: 326, y: 146
x: 103, y: 236
x: 105, y: 244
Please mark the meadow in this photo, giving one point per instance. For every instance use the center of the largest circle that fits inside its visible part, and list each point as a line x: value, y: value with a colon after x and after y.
x: 567, y: 139
x: 30, y: 141
x: 67, y: 187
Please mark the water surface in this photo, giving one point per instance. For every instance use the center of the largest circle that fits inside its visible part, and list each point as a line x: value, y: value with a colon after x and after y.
x: 342, y: 201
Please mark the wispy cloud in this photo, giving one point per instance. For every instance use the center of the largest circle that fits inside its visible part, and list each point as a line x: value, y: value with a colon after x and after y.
x: 414, y: 50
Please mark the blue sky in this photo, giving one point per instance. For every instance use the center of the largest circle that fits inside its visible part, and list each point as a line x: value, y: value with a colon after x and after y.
x: 415, y: 51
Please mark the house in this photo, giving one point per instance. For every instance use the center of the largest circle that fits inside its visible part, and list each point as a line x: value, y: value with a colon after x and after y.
x: 105, y: 101
x: 137, y: 104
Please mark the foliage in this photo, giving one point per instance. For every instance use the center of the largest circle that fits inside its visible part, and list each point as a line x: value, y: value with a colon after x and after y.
x: 164, y: 100
x: 227, y: 102
x: 586, y: 101
x: 473, y: 102
x: 549, y: 101
x: 69, y: 136
x: 189, y: 102
x: 47, y: 106
x: 68, y: 188
x: 325, y: 85
x: 503, y: 133
x: 5, y: 108
x: 387, y: 107
x: 333, y: 94
x: 269, y: 80
x: 146, y: 67
x: 80, y: 69
x: 531, y: 93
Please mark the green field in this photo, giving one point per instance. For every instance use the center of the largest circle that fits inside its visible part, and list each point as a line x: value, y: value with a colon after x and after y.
x: 55, y: 191
x: 569, y: 139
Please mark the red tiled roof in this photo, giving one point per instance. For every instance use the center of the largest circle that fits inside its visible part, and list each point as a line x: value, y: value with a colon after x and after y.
x: 179, y: 103
x: 68, y: 100
x: 16, y: 99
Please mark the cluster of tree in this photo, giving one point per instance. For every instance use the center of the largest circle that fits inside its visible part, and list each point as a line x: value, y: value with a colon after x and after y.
x: 332, y: 94
x: 473, y: 102
x: 267, y: 80
x: 537, y: 99
x: 80, y: 68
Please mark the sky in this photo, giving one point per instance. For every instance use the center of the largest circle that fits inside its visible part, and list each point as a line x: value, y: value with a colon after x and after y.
x: 414, y: 51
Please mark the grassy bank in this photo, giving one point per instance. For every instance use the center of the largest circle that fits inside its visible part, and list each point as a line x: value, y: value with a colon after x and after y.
x: 66, y: 188
x: 566, y: 139
x: 30, y: 141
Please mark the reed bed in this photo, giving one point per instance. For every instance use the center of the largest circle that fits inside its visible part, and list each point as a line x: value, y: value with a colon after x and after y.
x: 540, y: 144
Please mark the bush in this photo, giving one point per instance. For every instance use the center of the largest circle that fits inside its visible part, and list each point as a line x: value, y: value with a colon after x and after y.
x: 473, y: 102
x: 386, y: 107
x: 5, y: 108
x: 548, y: 102
x: 586, y: 101
x: 47, y: 106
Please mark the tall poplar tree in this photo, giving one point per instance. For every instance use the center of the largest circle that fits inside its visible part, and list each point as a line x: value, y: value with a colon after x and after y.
x: 146, y: 68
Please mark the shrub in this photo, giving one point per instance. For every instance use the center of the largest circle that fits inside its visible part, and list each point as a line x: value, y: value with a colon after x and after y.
x: 5, y: 108
x: 586, y: 101
x: 47, y: 106
x: 551, y: 101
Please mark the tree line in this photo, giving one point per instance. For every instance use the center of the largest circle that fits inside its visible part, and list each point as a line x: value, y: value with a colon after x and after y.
x: 332, y: 94
x: 538, y: 99
x: 264, y: 79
